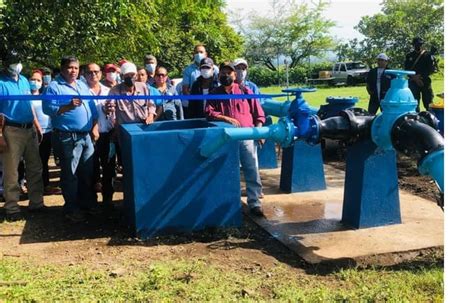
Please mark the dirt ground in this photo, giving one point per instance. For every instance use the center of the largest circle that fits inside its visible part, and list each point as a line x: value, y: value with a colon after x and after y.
x: 104, y: 241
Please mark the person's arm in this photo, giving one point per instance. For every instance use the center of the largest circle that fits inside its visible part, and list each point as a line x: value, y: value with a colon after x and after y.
x: 212, y: 113
x: 39, y: 129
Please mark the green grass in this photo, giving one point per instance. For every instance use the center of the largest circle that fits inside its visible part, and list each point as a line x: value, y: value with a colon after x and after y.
x: 196, y: 280
x: 319, y: 97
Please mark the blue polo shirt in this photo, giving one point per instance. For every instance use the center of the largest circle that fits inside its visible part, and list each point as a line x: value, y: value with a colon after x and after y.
x: 77, y: 120
x: 19, y: 111
x: 252, y: 86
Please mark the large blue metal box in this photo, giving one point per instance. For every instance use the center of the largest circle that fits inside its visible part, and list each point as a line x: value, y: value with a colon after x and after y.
x: 169, y: 187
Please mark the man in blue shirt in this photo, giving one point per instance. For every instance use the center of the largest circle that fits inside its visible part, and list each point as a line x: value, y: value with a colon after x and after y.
x: 21, y: 130
x: 74, y: 121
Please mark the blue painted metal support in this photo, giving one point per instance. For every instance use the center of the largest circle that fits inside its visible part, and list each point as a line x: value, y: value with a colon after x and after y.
x: 267, y: 157
x: 302, y: 168
x: 371, y: 195
x: 170, y: 187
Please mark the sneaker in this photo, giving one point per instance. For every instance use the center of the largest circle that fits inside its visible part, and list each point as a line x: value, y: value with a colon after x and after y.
x: 75, y: 216
x: 257, y: 211
x: 261, y: 196
x: 14, y: 217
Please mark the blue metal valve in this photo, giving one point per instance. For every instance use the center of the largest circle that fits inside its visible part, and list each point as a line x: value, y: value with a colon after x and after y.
x: 398, y: 101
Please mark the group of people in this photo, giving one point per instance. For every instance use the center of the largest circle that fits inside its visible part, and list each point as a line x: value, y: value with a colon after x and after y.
x: 82, y: 131
x: 421, y: 61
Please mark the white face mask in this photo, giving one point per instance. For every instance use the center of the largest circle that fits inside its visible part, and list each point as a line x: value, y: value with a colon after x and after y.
x: 241, y: 75
x: 15, y: 68
x: 150, y: 68
x: 207, y: 73
x: 111, y: 77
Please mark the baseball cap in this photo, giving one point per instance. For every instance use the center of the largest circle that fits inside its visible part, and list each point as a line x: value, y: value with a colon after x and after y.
x: 206, y: 62
x: 382, y: 56
x: 110, y: 68
x: 240, y: 61
x: 227, y: 64
x: 128, y: 67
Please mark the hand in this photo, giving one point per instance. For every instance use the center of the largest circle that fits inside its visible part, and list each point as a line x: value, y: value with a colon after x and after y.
x: 149, y: 119
x: 233, y: 121
x: 109, y: 107
x: 261, y: 142
x: 40, y: 136
x: 95, y: 134
x: 418, y: 80
x: 75, y: 102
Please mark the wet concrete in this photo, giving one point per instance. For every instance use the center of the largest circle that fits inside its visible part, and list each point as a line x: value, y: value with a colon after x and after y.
x: 309, y: 223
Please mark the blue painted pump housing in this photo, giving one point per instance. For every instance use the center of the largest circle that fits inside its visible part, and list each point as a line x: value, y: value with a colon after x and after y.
x: 335, y: 105
x: 398, y: 101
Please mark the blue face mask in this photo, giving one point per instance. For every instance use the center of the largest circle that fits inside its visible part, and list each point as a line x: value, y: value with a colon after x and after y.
x: 198, y: 57
x: 34, y: 85
x: 47, y: 79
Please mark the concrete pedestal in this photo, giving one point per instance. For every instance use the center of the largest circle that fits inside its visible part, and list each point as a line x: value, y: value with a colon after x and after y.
x: 371, y: 187
x: 302, y: 168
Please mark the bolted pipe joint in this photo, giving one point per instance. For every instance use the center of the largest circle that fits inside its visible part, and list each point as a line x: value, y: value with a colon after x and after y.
x: 350, y: 125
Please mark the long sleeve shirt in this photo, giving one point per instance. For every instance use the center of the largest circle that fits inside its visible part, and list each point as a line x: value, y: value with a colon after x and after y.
x: 247, y: 111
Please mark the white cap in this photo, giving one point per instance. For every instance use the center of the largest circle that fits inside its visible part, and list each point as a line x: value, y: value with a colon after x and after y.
x: 128, y: 67
x: 240, y: 61
x: 382, y: 56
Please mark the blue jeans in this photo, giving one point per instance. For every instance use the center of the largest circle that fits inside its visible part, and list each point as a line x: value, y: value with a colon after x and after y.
x: 249, y: 162
x: 76, y: 153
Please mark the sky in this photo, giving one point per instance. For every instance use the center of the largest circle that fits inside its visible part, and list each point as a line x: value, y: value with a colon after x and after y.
x: 346, y: 13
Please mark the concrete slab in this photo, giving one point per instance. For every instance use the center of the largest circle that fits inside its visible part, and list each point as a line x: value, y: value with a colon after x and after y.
x: 309, y: 223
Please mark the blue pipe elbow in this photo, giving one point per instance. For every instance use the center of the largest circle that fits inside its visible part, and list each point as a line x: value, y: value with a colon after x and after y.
x: 280, y: 109
x: 433, y: 165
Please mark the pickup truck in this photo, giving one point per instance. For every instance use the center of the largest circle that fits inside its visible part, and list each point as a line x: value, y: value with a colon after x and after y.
x: 348, y: 73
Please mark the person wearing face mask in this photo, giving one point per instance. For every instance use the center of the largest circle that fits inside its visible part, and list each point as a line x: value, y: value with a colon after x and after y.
x: 21, y: 132
x: 205, y: 83
x: 192, y: 72
x: 140, y: 110
x: 75, y: 129
x: 150, y: 63
x: 45, y: 147
x: 46, y: 78
x: 241, y: 69
x: 111, y: 72
x: 166, y: 109
x: 240, y: 113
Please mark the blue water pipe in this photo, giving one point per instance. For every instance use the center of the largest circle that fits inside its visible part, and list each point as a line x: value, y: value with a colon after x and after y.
x: 279, y: 109
x: 282, y: 132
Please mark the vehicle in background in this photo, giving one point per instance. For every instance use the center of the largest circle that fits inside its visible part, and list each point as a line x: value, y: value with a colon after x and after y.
x: 348, y: 73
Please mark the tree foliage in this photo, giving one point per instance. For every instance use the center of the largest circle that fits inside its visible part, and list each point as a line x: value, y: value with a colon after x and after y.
x: 292, y: 28
x: 107, y: 30
x: 392, y: 30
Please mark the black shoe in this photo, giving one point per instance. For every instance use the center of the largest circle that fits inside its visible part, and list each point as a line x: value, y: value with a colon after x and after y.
x: 14, y: 217
x: 257, y: 211
x: 75, y: 216
x: 38, y: 209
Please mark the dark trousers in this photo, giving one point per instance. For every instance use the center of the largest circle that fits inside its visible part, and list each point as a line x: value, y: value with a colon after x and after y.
x: 424, y: 92
x: 76, y: 157
x: 45, y: 152
x: 374, y: 104
x: 102, y: 158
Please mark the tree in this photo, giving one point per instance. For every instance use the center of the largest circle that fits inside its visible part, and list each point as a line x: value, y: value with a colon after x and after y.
x: 107, y: 30
x: 293, y: 28
x: 392, y: 30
